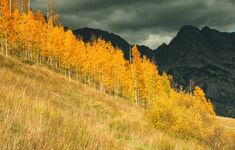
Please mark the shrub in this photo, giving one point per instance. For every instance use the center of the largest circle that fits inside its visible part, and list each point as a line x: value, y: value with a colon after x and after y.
x: 189, y: 116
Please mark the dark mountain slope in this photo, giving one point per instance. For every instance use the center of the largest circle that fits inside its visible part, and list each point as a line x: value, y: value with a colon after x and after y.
x: 89, y: 34
x: 207, y: 57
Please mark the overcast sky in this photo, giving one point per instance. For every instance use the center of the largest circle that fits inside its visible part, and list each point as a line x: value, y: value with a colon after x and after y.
x: 148, y: 22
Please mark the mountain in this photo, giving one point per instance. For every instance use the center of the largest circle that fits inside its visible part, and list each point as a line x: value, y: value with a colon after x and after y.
x: 205, y: 56
x: 89, y: 34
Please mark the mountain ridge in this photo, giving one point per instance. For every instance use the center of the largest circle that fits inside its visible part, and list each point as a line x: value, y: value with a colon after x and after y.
x: 88, y: 34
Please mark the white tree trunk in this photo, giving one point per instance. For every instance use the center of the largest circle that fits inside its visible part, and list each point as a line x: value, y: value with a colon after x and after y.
x: 2, y: 45
x: 6, y: 44
x: 10, y: 6
x: 29, y: 5
x: 19, y: 6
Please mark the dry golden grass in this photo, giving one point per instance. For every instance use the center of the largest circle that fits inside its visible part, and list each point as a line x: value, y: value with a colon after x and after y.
x: 228, y: 123
x: 40, y: 109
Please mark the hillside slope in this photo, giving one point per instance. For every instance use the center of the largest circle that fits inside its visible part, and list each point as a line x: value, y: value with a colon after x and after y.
x: 40, y: 109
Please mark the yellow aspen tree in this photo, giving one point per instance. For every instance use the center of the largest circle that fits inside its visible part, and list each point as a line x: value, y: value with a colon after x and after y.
x: 102, y: 66
x: 69, y: 45
x: 52, y: 16
x: 79, y: 58
x: 54, y: 46
x: 86, y: 67
x: 31, y: 35
x: 201, y: 99
x: 5, y: 25
x: 12, y: 34
x: 39, y: 17
x: 25, y: 6
x: 40, y: 35
x: 210, y: 107
x: 120, y: 76
x: 108, y: 67
x: 166, y: 84
x: 150, y: 79
x: 127, y: 91
x: 27, y: 37
x: 136, y: 71
x: 5, y: 10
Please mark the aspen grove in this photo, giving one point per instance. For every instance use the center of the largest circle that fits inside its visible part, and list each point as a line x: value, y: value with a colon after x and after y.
x: 33, y: 39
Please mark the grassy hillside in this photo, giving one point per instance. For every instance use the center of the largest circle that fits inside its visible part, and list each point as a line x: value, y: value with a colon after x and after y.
x: 43, y: 110
x: 40, y: 109
x: 227, y: 123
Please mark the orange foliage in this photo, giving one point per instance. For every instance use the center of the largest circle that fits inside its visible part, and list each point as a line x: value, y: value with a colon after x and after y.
x: 4, y: 8
x: 97, y: 63
x: 102, y: 66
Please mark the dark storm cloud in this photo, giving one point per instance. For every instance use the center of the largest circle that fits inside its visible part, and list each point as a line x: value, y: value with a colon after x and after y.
x: 146, y: 21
